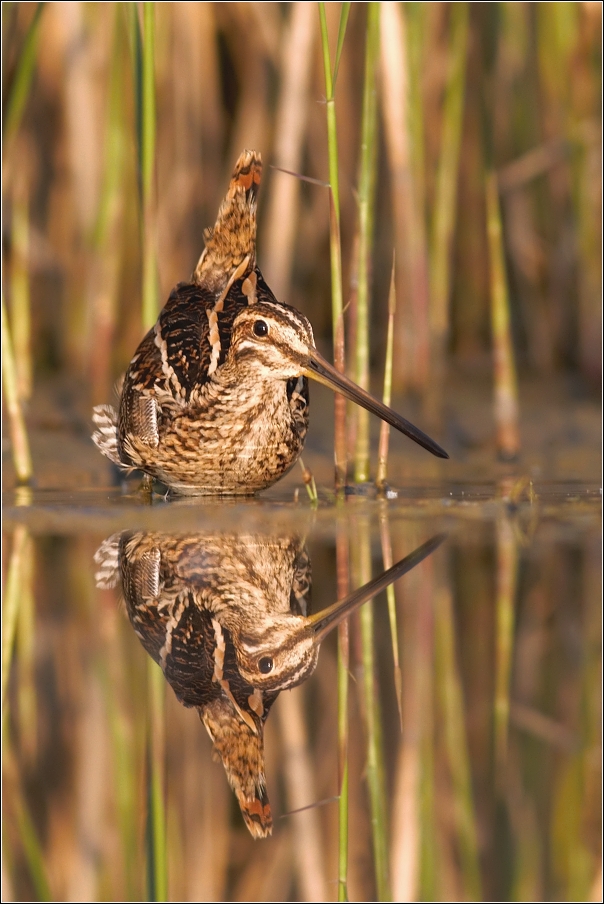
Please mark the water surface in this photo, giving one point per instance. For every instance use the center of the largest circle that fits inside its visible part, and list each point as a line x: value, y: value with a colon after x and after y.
x: 487, y: 737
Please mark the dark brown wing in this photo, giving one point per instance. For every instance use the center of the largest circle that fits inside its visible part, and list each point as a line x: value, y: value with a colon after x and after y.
x: 183, y: 337
x: 171, y: 361
x: 176, y: 354
x: 162, y: 608
x: 190, y: 340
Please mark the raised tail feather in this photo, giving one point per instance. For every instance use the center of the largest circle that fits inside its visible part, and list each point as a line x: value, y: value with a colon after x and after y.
x: 230, y: 246
x: 242, y: 753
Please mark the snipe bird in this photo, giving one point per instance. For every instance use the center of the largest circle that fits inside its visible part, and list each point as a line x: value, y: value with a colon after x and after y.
x: 227, y: 619
x: 215, y: 400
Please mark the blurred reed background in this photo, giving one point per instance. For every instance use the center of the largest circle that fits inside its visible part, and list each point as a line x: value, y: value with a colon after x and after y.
x: 469, y: 143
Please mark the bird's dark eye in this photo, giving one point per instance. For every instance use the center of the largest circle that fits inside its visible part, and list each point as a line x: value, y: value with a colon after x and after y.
x: 260, y: 328
x: 266, y: 663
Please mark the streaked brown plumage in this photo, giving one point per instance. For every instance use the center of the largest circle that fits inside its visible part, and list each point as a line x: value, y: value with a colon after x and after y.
x: 227, y: 618
x: 215, y: 400
x: 194, y: 601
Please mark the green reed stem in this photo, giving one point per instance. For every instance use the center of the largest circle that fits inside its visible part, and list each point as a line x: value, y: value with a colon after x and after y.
x: 344, y: 13
x: 148, y: 98
x: 334, y: 234
x: 387, y: 394
x: 415, y: 15
x: 124, y: 777
x: 375, y: 758
x: 33, y: 850
x: 115, y: 137
x: 19, y: 89
x: 343, y: 814
x: 392, y: 618
x: 381, y: 481
x: 343, y: 587
x: 12, y: 596
x: 443, y: 222
x: 107, y: 239
x: 26, y: 654
x: 157, y: 854
x: 114, y: 141
x: 507, y: 573
x: 330, y: 87
x: 150, y: 287
x: 453, y: 725
x: 369, y: 135
x: 371, y: 710
x: 339, y: 428
x: 20, y: 291
x: 505, y: 396
x: 506, y: 387
x: 145, y: 64
x: 18, y: 433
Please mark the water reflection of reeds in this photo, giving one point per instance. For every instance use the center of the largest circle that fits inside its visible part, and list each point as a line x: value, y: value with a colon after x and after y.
x: 462, y: 818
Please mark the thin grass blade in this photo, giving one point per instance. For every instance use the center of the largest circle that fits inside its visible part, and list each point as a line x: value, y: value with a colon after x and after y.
x: 18, y: 432
x: 366, y: 219
x: 150, y: 283
x: 450, y: 695
x: 372, y: 718
x: 33, y: 852
x: 156, y: 837
x: 344, y: 12
x: 387, y: 394
x: 505, y: 400
x: 335, y: 245
x: 343, y: 586
x: 20, y: 288
x: 507, y: 572
x: 19, y: 89
x: 391, y: 600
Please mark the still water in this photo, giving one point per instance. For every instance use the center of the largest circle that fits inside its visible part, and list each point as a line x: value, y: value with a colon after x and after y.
x: 136, y: 630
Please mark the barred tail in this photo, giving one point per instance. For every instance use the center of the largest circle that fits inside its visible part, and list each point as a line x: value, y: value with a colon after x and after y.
x: 107, y: 558
x: 105, y: 436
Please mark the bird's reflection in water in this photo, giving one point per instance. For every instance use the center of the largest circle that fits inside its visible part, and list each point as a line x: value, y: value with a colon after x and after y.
x: 227, y: 617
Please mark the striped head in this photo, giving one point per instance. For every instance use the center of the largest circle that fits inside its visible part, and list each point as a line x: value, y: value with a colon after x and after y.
x: 279, y: 655
x: 273, y: 340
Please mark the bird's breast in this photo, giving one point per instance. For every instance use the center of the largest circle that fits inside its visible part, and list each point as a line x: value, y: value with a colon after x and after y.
x: 231, y: 438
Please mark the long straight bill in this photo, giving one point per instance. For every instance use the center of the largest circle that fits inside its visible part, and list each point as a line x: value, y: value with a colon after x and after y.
x: 323, y: 622
x: 321, y: 370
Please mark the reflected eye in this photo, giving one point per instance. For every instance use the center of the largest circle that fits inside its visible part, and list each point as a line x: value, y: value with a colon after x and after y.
x: 266, y: 663
x: 260, y: 328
